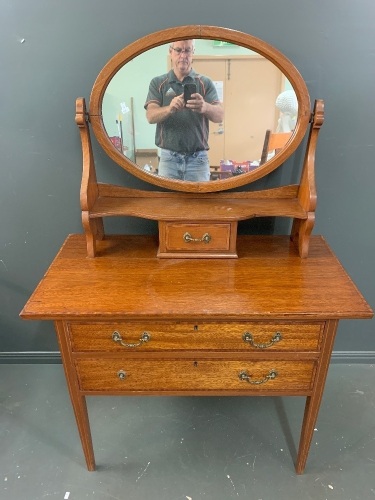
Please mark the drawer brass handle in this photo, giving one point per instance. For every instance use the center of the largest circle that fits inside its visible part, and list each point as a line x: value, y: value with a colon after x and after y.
x: 245, y: 376
x: 121, y: 375
x: 206, y: 238
x: 145, y: 337
x: 247, y: 337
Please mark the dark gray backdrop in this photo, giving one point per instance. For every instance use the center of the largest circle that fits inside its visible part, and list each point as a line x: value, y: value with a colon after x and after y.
x: 51, y: 52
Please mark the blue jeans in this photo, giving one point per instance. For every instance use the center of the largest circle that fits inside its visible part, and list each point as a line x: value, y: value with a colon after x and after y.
x: 193, y: 167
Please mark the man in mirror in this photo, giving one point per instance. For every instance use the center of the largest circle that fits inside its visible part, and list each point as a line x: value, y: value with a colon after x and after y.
x: 182, y: 124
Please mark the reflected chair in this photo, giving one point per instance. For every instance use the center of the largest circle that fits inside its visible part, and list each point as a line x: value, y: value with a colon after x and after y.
x: 273, y: 142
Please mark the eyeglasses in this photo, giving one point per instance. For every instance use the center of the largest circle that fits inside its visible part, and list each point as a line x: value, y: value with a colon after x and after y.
x: 187, y: 51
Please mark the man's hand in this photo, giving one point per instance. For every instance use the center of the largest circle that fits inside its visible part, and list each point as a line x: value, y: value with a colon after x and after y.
x: 196, y: 104
x: 157, y: 114
x: 177, y: 103
x: 214, y: 112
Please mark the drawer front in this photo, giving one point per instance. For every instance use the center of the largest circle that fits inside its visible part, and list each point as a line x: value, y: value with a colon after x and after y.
x: 197, y: 240
x: 194, y: 237
x: 189, y: 375
x: 165, y: 336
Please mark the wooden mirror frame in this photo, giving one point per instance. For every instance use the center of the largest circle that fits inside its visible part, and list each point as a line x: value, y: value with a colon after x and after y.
x: 196, y: 220
x: 199, y: 32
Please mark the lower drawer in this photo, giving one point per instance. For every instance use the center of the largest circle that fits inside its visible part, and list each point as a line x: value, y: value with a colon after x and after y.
x: 188, y: 375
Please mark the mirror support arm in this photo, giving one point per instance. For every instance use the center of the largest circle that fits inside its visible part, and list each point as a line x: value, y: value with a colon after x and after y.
x: 307, y: 197
x: 89, y: 193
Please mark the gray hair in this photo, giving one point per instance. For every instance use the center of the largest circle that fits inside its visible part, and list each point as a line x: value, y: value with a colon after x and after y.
x: 189, y: 39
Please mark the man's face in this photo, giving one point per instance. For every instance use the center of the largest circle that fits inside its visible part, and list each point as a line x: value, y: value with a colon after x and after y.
x: 182, y: 56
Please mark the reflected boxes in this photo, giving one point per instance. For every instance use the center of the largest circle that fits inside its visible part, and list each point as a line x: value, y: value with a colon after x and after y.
x: 147, y: 158
x: 231, y: 167
x: 116, y: 141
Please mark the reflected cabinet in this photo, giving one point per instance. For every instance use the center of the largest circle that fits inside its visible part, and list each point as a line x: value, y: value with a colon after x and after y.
x: 195, y: 309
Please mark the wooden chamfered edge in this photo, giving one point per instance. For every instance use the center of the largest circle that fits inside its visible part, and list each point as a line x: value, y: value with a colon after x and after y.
x: 207, y: 32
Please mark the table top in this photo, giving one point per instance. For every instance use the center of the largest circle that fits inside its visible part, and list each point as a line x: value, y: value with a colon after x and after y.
x: 127, y: 281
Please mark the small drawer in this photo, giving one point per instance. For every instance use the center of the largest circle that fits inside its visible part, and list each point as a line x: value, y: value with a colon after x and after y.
x: 197, y: 239
x: 181, y: 375
x: 210, y: 336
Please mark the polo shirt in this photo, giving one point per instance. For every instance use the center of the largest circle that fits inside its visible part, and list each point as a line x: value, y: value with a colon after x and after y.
x: 184, y: 131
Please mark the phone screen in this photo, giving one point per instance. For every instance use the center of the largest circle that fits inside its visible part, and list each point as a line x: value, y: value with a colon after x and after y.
x: 189, y: 89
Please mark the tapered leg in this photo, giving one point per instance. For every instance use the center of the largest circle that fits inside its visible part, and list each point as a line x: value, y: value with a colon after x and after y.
x: 313, y: 401
x: 78, y: 401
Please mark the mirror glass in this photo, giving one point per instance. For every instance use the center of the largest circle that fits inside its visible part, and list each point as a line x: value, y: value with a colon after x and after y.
x: 256, y: 97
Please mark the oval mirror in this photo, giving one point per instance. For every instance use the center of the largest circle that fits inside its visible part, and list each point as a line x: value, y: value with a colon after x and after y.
x: 259, y: 90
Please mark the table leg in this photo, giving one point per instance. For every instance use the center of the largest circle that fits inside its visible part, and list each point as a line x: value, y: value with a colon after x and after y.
x: 313, y: 402
x: 78, y: 401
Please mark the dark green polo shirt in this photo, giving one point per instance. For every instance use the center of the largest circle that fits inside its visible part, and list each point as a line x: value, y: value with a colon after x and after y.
x: 184, y: 131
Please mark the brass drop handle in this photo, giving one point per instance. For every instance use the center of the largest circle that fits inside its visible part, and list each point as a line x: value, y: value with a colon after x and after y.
x: 246, y: 377
x: 121, y: 375
x: 248, y: 337
x: 206, y: 238
x: 145, y: 337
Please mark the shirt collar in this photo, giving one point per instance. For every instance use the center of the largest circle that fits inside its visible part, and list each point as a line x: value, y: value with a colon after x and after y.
x: 189, y: 78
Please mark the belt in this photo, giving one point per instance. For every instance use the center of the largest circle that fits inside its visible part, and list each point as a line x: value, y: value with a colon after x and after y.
x: 187, y: 153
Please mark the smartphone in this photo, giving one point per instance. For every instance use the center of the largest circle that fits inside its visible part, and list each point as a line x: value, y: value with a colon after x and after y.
x: 189, y: 89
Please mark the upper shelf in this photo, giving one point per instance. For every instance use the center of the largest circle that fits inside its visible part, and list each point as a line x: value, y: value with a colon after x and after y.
x: 114, y: 200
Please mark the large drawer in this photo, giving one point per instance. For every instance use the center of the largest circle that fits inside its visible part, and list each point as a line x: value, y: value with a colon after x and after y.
x: 161, y: 336
x: 188, y: 375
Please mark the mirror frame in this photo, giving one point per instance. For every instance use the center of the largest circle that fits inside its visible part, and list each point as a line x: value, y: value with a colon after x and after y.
x: 211, y: 33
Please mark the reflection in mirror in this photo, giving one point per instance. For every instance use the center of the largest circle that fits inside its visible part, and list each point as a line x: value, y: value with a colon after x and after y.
x: 182, y: 103
x: 254, y: 93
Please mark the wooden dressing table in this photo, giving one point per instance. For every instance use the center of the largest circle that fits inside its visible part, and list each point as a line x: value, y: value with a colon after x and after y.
x: 180, y: 314
x: 129, y: 323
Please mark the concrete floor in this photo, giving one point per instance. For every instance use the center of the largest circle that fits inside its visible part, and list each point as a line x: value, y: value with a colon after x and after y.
x: 159, y: 448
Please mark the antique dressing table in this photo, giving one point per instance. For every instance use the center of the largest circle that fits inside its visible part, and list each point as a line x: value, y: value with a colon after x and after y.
x: 196, y: 309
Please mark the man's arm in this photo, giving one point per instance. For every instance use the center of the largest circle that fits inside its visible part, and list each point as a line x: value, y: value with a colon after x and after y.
x: 157, y: 114
x: 214, y: 112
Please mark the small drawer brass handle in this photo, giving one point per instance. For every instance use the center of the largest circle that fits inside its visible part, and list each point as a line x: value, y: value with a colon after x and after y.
x: 121, y: 375
x: 206, y: 238
x: 247, y: 337
x: 145, y: 337
x: 245, y: 376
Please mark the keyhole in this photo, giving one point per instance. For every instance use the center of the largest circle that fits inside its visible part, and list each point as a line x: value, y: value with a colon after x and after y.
x: 195, y: 328
x: 195, y: 363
